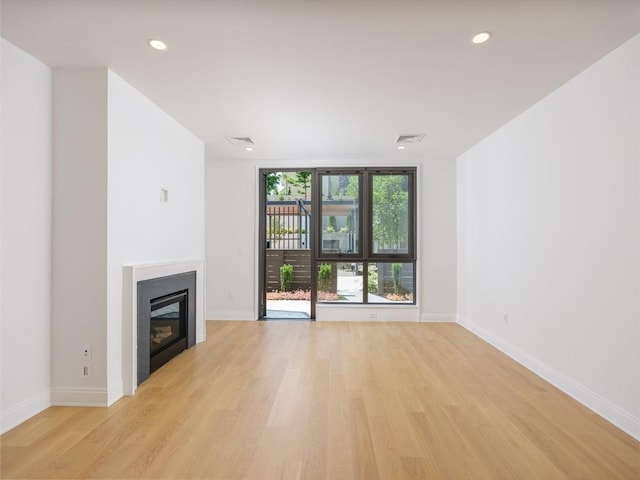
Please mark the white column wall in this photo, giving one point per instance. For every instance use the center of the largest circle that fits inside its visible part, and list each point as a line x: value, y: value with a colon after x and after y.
x: 79, y: 235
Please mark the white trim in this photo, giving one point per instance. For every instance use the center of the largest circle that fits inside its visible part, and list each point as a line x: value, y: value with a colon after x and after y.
x: 24, y: 410
x: 79, y: 397
x: 247, y: 315
x: 115, y: 392
x: 438, y: 317
x: 621, y: 418
x: 358, y: 312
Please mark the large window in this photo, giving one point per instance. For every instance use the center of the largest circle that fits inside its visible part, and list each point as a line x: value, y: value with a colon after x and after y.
x: 366, y: 249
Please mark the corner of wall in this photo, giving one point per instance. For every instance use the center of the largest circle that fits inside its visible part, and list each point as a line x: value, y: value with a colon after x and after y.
x: 24, y: 410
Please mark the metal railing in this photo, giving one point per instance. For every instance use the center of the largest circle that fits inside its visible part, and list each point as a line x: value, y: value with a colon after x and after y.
x: 288, y: 224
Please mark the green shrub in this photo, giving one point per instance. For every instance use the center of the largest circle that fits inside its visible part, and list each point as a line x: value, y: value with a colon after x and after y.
x: 286, y: 274
x: 324, y: 277
x: 372, y: 284
x: 396, y: 270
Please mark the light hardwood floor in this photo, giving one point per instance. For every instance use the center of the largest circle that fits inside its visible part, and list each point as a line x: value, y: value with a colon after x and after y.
x: 293, y: 400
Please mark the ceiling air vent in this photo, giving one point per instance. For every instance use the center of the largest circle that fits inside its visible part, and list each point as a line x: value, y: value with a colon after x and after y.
x: 240, y: 140
x: 410, y: 138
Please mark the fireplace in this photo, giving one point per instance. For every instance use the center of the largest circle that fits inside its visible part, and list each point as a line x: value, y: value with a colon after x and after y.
x: 167, y: 328
x: 166, y: 320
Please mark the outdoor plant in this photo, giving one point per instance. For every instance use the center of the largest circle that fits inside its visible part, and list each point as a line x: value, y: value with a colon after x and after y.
x: 372, y: 284
x: 324, y: 277
x: 286, y: 274
x: 396, y: 269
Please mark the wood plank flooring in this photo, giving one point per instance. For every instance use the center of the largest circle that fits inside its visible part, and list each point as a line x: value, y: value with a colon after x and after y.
x: 306, y: 400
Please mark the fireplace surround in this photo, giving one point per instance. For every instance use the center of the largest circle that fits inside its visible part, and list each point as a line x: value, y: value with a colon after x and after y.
x: 132, y: 275
x: 166, y: 320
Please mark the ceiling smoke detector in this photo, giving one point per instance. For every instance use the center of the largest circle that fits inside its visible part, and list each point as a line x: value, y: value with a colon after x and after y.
x: 246, y: 141
x: 410, y: 138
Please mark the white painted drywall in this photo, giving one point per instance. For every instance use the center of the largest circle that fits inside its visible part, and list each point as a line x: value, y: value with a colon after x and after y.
x: 549, y: 234
x: 232, y: 230
x: 26, y: 236
x: 114, y: 151
x: 79, y: 234
x: 148, y: 151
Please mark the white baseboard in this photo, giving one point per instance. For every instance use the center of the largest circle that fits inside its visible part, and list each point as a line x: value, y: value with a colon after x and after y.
x: 80, y: 397
x: 621, y: 418
x: 24, y: 410
x: 438, y: 317
x: 231, y: 315
x: 115, y: 392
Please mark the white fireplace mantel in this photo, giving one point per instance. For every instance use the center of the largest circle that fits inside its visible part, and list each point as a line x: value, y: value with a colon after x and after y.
x: 132, y: 275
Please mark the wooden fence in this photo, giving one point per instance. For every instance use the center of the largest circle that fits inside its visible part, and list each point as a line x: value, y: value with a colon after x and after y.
x: 301, y: 261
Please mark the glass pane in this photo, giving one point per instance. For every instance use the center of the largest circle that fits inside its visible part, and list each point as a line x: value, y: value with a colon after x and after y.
x: 340, y: 213
x: 340, y: 282
x: 390, y: 213
x: 390, y: 282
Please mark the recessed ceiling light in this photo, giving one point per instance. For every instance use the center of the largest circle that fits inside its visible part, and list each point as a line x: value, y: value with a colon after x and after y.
x: 248, y: 149
x: 401, y: 147
x: 481, y: 37
x: 157, y: 44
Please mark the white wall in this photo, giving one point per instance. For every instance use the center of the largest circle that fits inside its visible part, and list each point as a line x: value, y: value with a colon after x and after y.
x: 437, y: 224
x: 79, y: 234
x: 549, y: 233
x: 113, y: 152
x: 230, y: 236
x: 26, y: 237
x: 148, y: 150
x: 232, y: 230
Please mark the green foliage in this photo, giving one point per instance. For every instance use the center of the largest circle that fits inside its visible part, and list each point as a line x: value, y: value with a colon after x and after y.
x: 324, y: 277
x: 372, y: 284
x: 352, y: 186
x: 286, y: 275
x: 349, y: 223
x: 396, y: 270
x: 273, y: 181
x: 275, y: 228
x: 390, y: 210
x: 302, y: 182
x: 333, y: 224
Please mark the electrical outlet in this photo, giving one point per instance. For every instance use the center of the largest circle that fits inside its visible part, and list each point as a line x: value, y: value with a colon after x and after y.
x: 86, y: 353
x: 373, y: 315
x: 505, y: 317
x: 86, y: 371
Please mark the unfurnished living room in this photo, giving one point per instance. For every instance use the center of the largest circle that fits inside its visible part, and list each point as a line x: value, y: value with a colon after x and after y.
x: 320, y: 239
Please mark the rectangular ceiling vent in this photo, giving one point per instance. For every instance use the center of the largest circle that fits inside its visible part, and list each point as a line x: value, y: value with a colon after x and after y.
x: 240, y: 140
x: 410, y: 138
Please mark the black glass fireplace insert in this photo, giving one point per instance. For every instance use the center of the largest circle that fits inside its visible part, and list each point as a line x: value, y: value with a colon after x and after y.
x: 166, y: 320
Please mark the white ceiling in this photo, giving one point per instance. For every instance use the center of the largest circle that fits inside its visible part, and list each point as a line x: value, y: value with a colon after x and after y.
x: 334, y: 79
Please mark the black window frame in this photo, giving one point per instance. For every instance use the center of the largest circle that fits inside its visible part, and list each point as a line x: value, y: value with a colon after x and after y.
x: 365, y: 254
